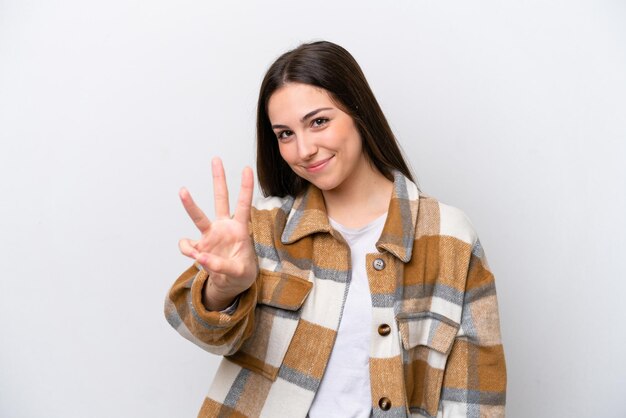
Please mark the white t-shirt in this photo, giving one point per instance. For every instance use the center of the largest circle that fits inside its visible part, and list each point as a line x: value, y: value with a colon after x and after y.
x: 345, y: 388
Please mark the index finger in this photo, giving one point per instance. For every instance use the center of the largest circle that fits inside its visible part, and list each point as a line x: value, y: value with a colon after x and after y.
x: 244, y: 203
x: 195, y: 213
x: 220, y: 190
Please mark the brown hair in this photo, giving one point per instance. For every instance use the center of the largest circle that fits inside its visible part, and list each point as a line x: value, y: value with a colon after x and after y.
x: 329, y: 66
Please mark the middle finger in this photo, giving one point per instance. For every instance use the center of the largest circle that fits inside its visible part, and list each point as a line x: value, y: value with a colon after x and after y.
x: 220, y: 190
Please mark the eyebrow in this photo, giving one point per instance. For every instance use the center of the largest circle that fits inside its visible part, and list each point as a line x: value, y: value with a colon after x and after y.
x: 305, y: 117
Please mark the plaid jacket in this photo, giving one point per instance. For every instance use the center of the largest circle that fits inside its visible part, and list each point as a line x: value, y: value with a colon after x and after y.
x: 439, y: 355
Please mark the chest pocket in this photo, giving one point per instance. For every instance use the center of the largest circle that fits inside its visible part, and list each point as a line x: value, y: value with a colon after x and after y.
x: 427, y: 339
x: 280, y: 297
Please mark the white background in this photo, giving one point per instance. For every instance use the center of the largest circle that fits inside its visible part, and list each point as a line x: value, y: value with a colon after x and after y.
x: 513, y: 111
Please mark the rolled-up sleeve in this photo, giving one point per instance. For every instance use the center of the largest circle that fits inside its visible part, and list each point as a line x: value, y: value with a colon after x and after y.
x: 219, y: 333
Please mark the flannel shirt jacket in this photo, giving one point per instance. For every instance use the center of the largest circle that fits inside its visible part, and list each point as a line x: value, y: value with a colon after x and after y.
x: 429, y: 283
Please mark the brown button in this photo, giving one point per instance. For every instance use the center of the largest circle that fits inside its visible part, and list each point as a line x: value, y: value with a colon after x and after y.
x: 385, y: 404
x: 384, y: 329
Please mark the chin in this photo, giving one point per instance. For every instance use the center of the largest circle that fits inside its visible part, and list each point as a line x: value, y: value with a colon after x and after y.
x: 325, y: 185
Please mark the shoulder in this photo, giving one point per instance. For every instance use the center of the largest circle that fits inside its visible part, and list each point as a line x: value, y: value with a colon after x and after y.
x: 438, y: 218
x: 265, y: 205
x: 270, y: 211
x: 270, y: 202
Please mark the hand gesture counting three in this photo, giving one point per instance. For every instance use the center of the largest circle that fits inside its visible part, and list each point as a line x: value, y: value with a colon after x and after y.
x: 225, y: 248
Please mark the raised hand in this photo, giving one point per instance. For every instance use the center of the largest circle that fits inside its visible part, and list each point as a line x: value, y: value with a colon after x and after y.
x: 224, y: 249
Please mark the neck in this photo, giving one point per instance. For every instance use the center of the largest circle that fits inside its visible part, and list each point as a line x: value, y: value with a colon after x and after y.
x: 360, y: 199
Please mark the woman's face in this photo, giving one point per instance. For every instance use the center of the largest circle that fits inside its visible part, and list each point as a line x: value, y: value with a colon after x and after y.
x: 318, y: 140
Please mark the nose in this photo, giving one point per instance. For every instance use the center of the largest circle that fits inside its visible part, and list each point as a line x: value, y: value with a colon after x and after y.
x: 306, y: 147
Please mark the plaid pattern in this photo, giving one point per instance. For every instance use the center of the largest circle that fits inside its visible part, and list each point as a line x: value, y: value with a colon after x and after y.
x: 442, y: 358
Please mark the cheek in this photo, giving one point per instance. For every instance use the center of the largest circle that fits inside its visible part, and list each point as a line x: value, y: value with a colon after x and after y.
x: 354, y: 144
x: 286, y: 152
x: 349, y: 137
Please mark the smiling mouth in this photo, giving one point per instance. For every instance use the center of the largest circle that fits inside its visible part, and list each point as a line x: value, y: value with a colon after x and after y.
x: 318, y: 165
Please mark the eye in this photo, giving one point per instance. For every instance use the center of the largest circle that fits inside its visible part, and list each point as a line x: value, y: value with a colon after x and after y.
x: 318, y: 122
x: 283, y: 136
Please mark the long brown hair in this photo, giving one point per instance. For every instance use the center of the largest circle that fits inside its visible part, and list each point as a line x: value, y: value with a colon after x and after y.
x: 329, y: 66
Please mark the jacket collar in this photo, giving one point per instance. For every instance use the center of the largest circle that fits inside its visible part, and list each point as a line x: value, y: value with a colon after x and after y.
x: 308, y: 216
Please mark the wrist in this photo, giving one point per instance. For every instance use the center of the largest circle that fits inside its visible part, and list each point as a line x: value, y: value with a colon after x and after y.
x: 214, y: 300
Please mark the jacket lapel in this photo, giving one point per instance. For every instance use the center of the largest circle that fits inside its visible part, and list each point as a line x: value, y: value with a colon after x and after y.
x: 308, y: 216
x: 399, y: 230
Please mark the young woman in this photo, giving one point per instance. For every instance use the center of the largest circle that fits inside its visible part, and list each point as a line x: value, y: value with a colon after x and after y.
x: 345, y: 292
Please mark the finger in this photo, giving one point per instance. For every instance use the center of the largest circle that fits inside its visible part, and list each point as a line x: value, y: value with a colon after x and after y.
x: 244, y: 203
x: 220, y: 190
x: 187, y: 247
x: 195, y: 213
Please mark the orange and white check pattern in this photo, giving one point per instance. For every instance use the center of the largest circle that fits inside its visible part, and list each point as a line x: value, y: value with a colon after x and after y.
x: 443, y: 356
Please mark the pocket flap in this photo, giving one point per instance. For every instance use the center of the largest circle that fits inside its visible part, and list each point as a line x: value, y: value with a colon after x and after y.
x: 427, y: 329
x: 282, y: 290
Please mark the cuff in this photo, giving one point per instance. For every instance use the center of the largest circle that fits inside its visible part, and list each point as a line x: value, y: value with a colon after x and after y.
x: 237, y: 311
x: 232, y: 308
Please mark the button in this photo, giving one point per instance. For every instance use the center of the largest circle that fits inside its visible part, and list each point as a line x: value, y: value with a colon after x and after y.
x: 385, y: 404
x: 384, y: 329
x: 379, y: 264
